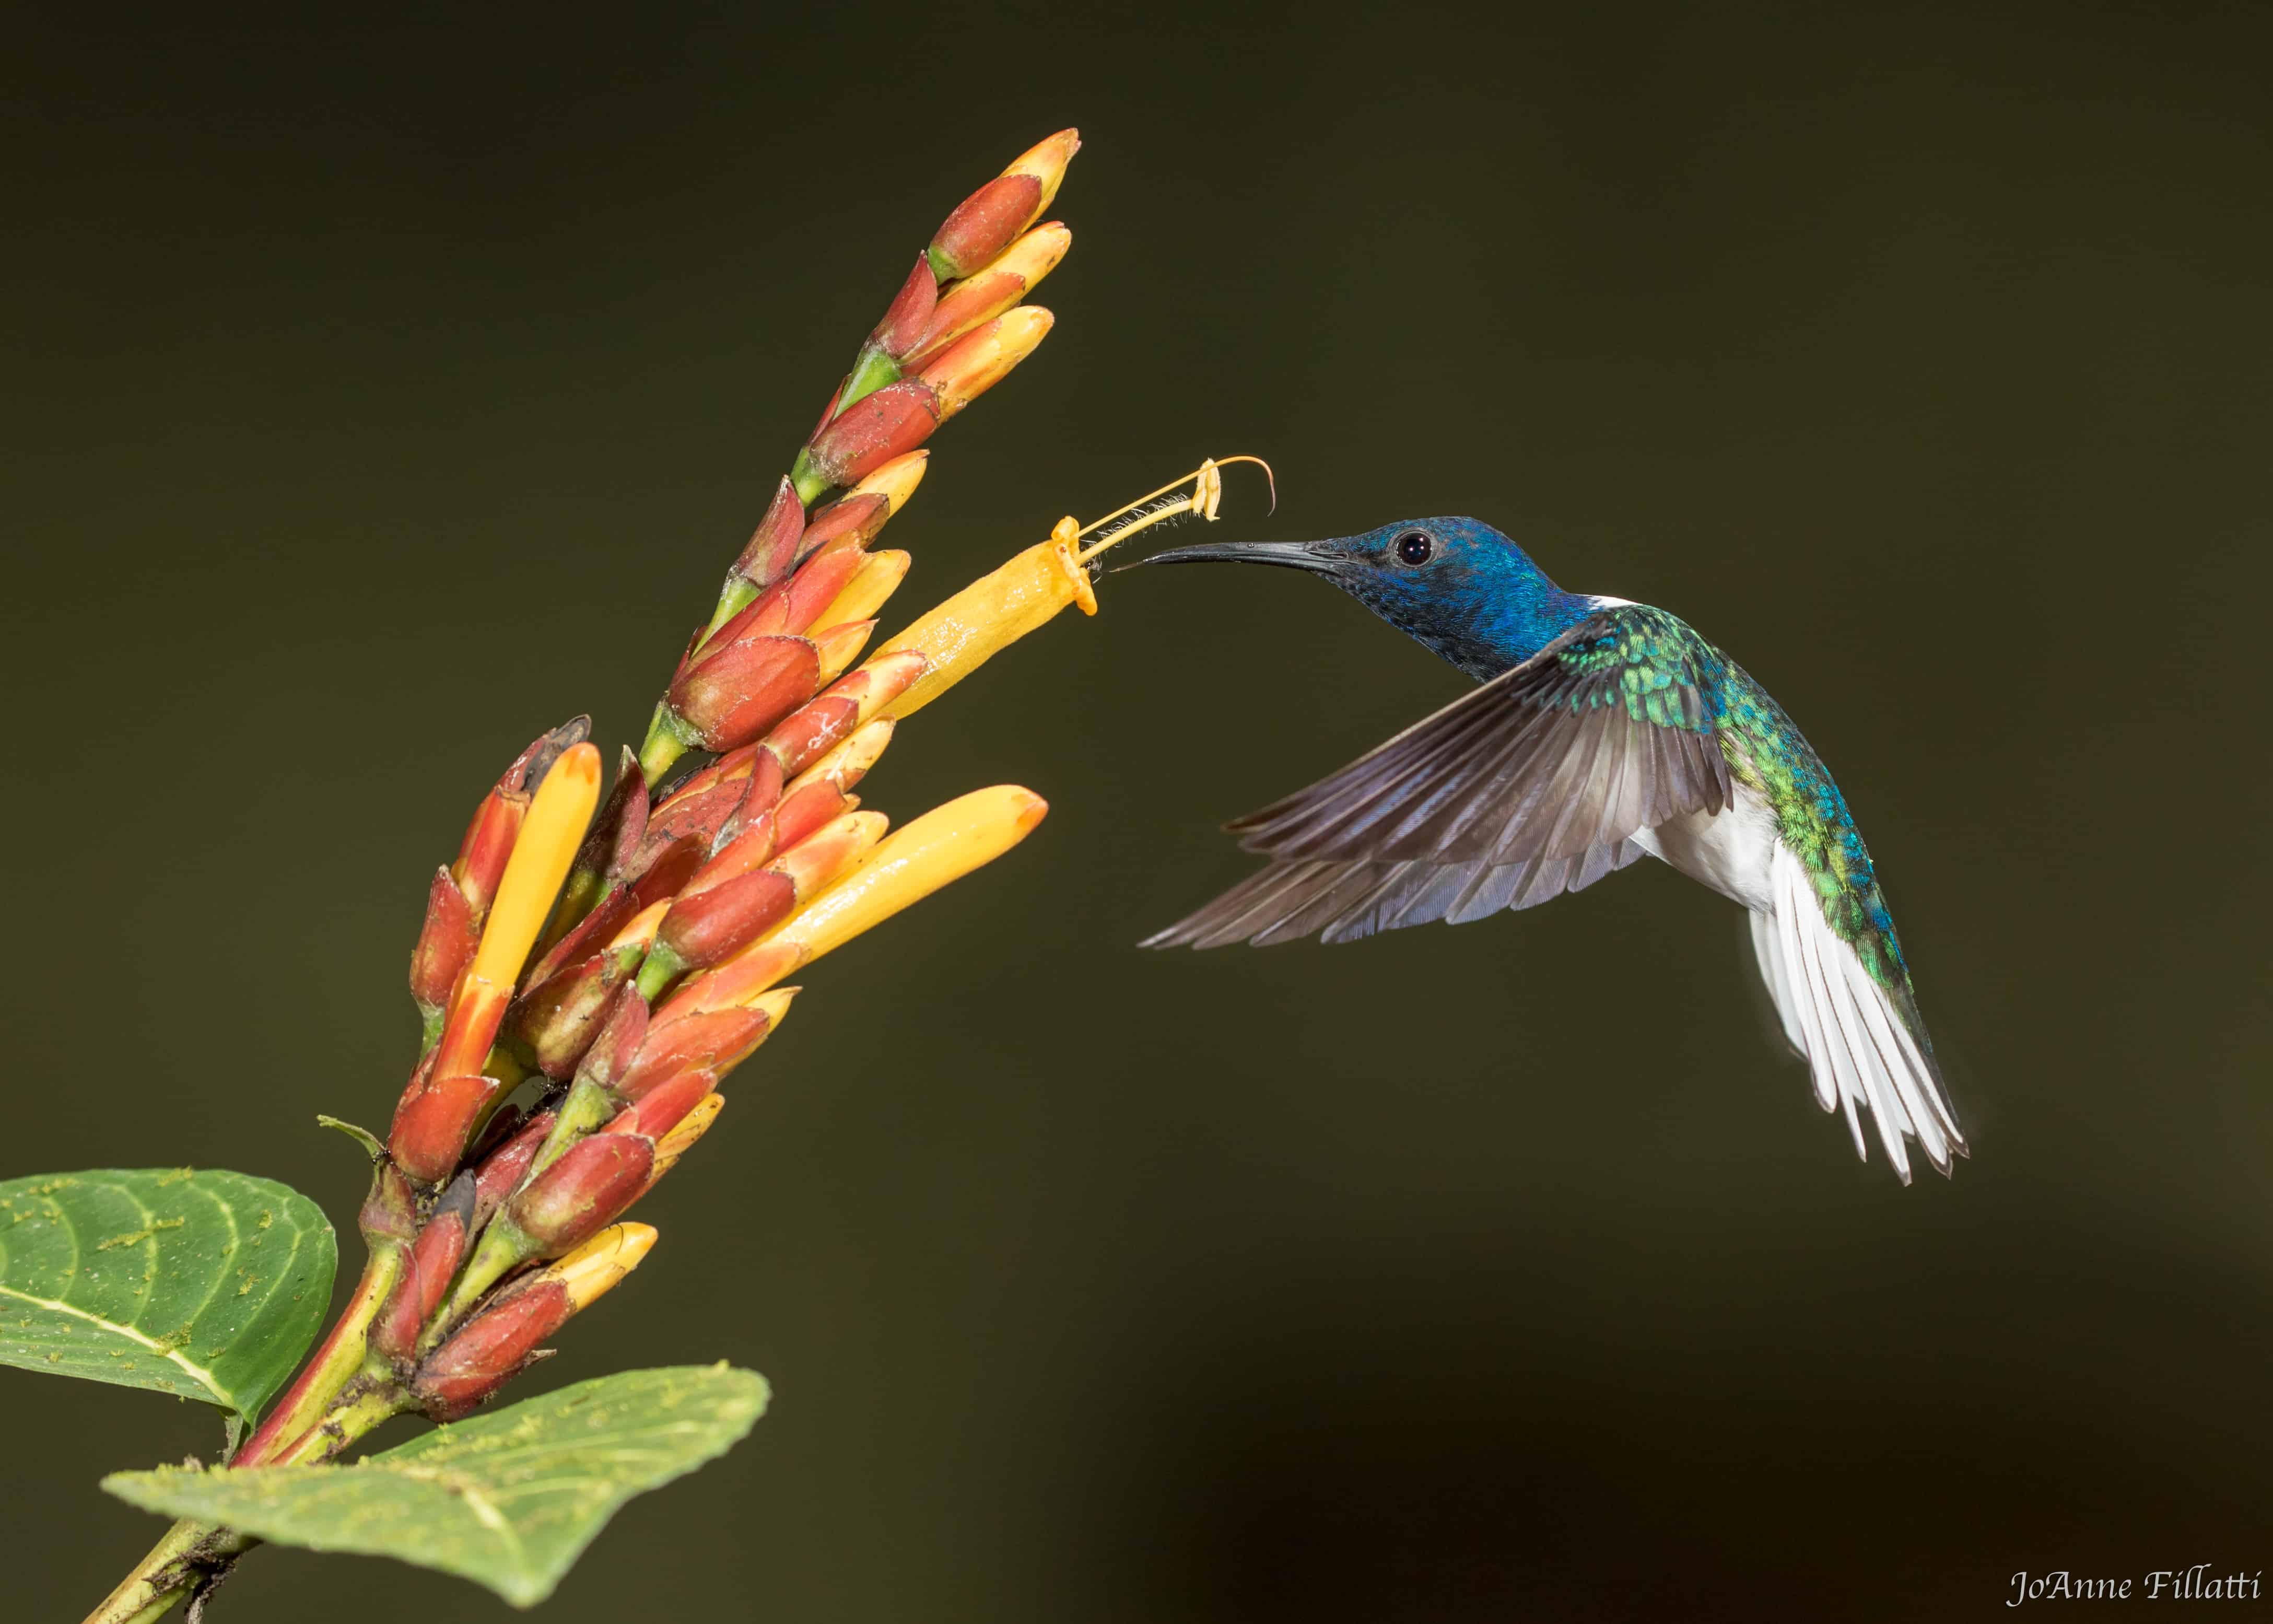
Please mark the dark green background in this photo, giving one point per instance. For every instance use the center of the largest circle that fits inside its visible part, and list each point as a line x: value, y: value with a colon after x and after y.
x: 380, y: 394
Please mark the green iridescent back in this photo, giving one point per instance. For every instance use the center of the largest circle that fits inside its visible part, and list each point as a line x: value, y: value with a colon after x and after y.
x: 1667, y: 675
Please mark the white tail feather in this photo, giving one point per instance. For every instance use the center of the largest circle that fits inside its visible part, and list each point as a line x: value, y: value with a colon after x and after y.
x: 1859, y: 1051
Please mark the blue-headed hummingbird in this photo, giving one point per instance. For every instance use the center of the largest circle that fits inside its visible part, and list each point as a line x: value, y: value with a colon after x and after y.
x: 1603, y: 731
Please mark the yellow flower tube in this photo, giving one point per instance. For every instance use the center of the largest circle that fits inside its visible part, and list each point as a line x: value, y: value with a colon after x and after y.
x: 995, y: 611
x: 990, y: 614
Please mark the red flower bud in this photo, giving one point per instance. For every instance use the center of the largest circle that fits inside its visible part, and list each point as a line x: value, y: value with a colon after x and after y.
x: 621, y: 1038
x: 792, y: 605
x: 427, y: 1273
x: 773, y: 547
x: 873, y: 430
x: 502, y: 1338
x: 734, y: 767
x: 1004, y: 206
x: 747, y: 890
x: 493, y: 1346
x: 500, y: 1172
x: 852, y: 520
x: 489, y: 839
x: 714, y: 1041
x: 591, y: 934
x: 390, y: 1211
x: 594, y: 1180
x: 804, y: 735
x: 910, y: 315
x: 432, y: 1121
x: 658, y: 1112
x: 446, y: 945
x: 984, y: 223
x: 559, y: 1019
x: 982, y: 357
x: 740, y: 682
x: 988, y: 293
x: 849, y: 761
x: 700, y: 815
x: 459, y: 899
x: 736, y: 897
x: 809, y: 809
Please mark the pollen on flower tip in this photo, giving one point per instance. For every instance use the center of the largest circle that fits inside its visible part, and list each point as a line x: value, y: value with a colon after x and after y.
x: 986, y: 617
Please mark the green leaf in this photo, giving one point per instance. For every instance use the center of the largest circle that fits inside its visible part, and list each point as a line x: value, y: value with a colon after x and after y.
x: 210, y: 1285
x: 509, y: 1499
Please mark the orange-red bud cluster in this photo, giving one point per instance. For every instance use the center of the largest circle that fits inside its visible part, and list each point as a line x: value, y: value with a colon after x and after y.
x: 560, y: 941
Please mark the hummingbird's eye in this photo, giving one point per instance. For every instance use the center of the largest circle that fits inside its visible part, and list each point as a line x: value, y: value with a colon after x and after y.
x: 1416, y: 547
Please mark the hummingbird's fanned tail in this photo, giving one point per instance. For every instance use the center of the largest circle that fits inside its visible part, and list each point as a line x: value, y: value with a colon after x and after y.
x: 1855, y: 1033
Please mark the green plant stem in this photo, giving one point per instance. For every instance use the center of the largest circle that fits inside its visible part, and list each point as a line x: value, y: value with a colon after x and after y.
x: 192, y: 1552
x: 503, y: 1249
x: 658, y: 971
x: 737, y: 594
x: 335, y: 1364
x: 374, y: 1397
x: 152, y: 1589
x: 663, y: 745
x: 585, y: 1108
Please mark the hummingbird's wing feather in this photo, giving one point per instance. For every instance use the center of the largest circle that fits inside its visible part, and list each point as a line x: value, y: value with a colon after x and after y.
x: 1343, y: 901
x: 1604, y: 731
x: 1529, y: 787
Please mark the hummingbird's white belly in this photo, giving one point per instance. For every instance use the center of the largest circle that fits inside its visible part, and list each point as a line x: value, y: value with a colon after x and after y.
x: 1730, y: 850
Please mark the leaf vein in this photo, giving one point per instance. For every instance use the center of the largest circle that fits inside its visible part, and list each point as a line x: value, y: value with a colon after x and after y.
x: 195, y: 1369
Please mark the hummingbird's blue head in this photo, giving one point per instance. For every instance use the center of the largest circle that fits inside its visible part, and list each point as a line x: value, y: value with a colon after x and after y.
x: 1455, y: 585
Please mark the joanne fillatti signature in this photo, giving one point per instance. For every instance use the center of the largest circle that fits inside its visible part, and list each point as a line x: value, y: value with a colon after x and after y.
x: 2196, y: 1584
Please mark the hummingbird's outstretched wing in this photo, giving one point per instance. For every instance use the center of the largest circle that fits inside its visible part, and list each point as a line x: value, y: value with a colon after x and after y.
x: 1529, y: 787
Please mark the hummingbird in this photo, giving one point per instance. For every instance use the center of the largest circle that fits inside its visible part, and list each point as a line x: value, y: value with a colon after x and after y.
x: 1603, y: 731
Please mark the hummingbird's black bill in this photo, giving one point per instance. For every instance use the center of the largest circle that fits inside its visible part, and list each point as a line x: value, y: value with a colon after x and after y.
x: 1288, y: 554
